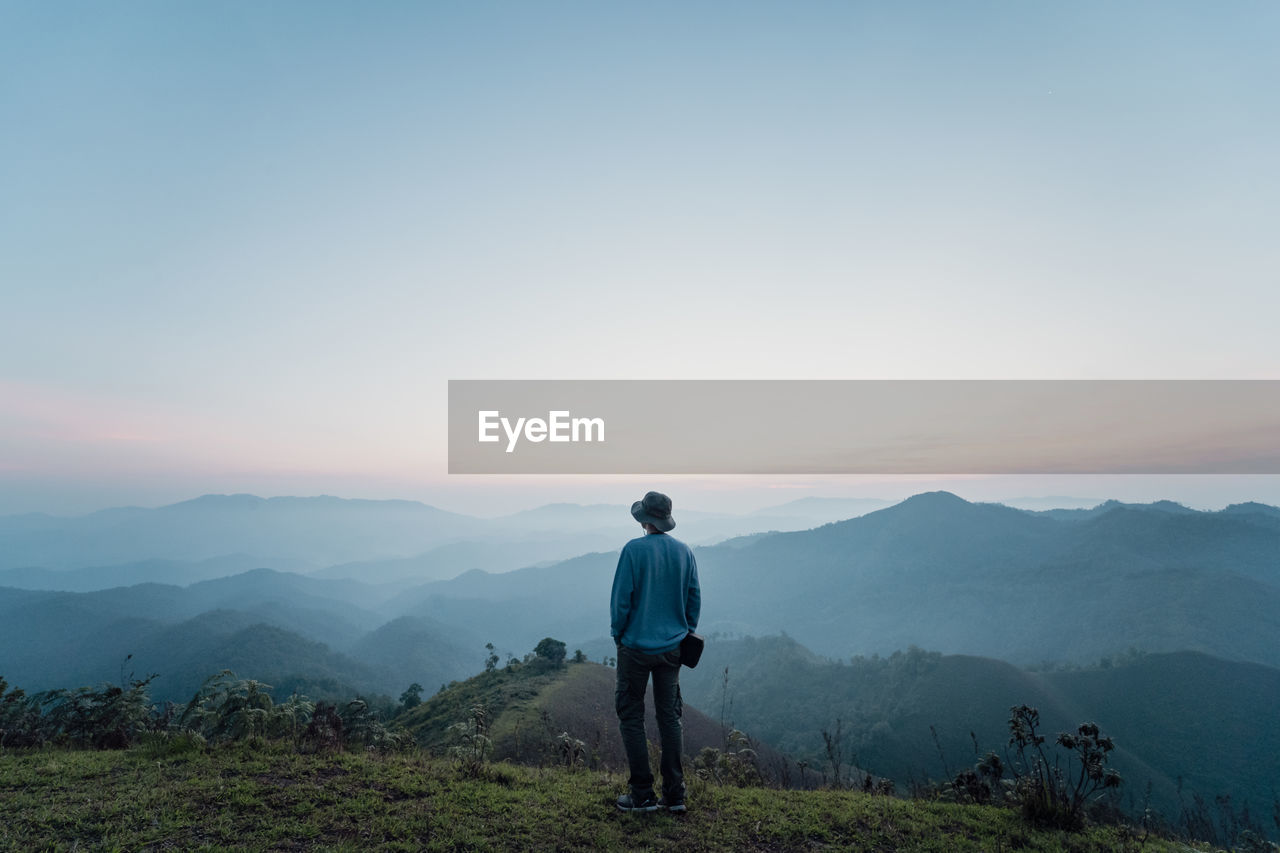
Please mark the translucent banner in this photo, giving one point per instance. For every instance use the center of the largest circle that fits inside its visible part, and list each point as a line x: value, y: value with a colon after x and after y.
x: 864, y: 427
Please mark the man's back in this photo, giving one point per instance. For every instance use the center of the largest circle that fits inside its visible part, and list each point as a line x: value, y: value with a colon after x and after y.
x: 656, y: 598
x: 655, y: 604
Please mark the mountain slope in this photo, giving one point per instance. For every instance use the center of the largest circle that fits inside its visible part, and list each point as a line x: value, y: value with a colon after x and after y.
x: 422, y: 651
x: 915, y: 715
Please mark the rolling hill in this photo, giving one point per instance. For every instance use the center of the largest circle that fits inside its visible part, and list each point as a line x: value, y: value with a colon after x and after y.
x: 298, y: 626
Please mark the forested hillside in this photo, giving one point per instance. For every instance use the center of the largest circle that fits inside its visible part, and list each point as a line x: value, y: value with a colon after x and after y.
x: 1185, y: 725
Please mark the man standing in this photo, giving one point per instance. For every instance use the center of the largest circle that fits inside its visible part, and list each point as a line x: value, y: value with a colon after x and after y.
x: 655, y: 604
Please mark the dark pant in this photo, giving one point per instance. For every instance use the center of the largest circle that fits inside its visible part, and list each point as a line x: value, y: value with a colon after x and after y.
x: 633, y: 677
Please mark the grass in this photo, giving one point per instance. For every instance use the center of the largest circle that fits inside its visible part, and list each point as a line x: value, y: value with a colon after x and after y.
x: 501, y: 691
x: 271, y: 798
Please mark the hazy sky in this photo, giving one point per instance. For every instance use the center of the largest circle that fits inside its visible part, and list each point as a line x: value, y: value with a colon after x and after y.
x: 244, y: 245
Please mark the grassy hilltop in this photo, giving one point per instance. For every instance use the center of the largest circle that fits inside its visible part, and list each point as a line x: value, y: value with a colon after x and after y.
x: 529, y: 708
x: 174, y: 790
x: 271, y: 798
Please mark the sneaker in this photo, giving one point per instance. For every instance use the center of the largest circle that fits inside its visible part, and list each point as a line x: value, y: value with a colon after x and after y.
x: 672, y: 805
x: 632, y: 803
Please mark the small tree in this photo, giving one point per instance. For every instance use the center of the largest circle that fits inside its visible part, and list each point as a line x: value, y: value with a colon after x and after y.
x: 491, y: 661
x: 834, y: 744
x: 361, y: 726
x: 550, y: 650
x: 411, y: 697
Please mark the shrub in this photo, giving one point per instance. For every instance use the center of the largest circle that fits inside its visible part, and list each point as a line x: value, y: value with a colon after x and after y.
x: 362, y: 726
x: 1046, y: 794
x: 981, y: 784
x: 226, y: 708
x: 19, y: 718
x: 472, y: 743
x: 324, y: 730
x: 571, y: 751
x: 550, y: 650
x: 734, y: 765
x: 106, y: 717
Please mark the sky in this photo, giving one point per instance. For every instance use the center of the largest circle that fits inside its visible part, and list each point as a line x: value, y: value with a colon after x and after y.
x: 244, y: 245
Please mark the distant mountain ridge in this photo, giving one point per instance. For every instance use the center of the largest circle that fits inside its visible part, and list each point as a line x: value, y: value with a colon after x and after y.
x: 943, y: 573
x: 935, y: 571
x: 383, y: 541
x: 175, y: 572
x: 317, y: 530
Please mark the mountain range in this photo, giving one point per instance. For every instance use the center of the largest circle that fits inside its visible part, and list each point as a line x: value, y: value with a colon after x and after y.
x: 942, y: 573
x: 934, y: 571
x: 373, y: 541
x: 1182, y: 606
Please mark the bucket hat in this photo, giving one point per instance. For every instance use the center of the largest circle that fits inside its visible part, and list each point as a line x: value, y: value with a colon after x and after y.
x: 655, y: 509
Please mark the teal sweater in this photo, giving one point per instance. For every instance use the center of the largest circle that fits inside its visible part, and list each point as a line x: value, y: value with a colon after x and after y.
x: 656, y: 599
